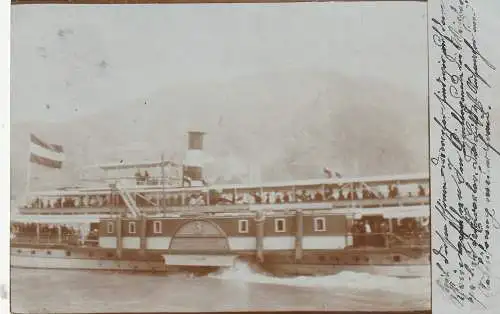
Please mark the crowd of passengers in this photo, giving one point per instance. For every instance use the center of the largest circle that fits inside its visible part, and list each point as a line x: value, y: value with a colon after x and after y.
x: 225, y: 198
x: 145, y: 179
x: 44, y: 229
x: 374, y: 232
x: 48, y: 232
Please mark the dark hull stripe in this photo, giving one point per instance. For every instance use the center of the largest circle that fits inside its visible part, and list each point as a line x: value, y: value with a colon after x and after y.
x: 45, y: 161
x: 159, y: 271
x: 52, y: 147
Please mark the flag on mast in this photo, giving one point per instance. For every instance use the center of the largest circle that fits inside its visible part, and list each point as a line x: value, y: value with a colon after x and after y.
x: 45, y: 154
x: 329, y: 173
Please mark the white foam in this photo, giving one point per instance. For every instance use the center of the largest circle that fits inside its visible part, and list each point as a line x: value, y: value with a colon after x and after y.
x: 346, y: 280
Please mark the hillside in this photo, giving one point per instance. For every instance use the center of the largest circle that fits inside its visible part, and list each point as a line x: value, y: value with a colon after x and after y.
x: 291, y: 128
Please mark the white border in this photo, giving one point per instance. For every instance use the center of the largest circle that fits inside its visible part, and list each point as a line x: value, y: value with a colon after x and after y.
x: 5, y: 157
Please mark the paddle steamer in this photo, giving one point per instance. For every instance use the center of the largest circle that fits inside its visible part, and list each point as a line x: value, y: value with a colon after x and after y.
x: 163, y: 217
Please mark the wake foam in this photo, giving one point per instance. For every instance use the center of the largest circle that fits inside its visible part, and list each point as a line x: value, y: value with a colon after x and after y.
x: 345, y: 280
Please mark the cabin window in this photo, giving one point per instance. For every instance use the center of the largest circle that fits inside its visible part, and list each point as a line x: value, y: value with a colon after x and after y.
x: 319, y: 224
x: 243, y: 226
x: 131, y: 227
x: 110, y: 227
x: 279, y: 225
x: 157, y: 227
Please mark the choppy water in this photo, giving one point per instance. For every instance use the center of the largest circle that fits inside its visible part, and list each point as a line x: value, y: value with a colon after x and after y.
x: 230, y: 290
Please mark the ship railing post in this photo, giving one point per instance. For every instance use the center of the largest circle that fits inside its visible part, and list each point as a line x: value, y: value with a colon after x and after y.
x: 390, y: 233
x: 37, y: 233
x: 299, y: 234
x: 59, y: 234
x: 260, y: 220
x: 143, y: 235
x: 119, y: 242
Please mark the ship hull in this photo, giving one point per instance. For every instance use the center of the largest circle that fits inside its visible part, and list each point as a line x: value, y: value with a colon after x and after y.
x: 39, y: 259
x: 292, y: 270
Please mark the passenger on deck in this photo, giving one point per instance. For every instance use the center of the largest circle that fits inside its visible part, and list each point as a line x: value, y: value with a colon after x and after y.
x: 341, y: 195
x: 393, y: 191
x: 368, y: 234
x: 421, y: 190
x: 318, y: 197
x: 146, y: 177
x: 266, y: 198
x: 138, y: 177
x: 286, y: 197
x: 329, y: 193
x: 368, y: 228
x: 258, y: 198
x: 365, y: 194
x: 278, y: 198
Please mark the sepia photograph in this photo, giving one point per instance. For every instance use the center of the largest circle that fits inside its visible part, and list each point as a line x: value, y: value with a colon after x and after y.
x: 222, y: 157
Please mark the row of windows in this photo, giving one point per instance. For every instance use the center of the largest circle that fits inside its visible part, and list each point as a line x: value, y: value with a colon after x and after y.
x: 319, y: 225
x: 132, y: 228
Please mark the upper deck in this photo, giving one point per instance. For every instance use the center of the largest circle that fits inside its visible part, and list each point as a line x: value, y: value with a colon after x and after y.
x: 364, y: 192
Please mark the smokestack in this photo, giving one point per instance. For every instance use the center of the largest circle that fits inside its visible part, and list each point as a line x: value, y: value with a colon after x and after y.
x: 193, y: 164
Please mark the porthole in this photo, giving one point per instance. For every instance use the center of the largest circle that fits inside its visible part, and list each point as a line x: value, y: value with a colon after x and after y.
x: 49, y: 253
x: 33, y: 252
x: 396, y: 258
x: 356, y: 259
x: 19, y: 251
x: 68, y: 253
x: 321, y: 258
x: 367, y: 259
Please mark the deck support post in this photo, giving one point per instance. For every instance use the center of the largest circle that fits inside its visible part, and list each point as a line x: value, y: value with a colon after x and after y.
x: 260, y: 220
x: 59, y: 234
x: 142, y: 230
x: 387, y: 236
x: 119, y: 240
x: 37, y: 233
x: 299, y: 234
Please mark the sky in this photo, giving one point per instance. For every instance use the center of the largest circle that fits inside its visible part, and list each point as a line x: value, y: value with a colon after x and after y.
x: 78, y: 60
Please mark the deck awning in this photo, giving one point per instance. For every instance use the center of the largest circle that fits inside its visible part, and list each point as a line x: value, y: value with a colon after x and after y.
x: 395, y: 212
x: 57, y: 219
x: 199, y: 260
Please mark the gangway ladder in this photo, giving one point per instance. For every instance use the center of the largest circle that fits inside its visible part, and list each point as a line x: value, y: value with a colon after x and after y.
x: 128, y: 199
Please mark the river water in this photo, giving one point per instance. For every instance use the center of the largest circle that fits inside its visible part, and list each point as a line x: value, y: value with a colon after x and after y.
x: 234, y: 289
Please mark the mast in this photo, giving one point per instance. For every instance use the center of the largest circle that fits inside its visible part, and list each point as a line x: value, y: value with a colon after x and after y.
x: 162, y: 182
x: 28, y: 174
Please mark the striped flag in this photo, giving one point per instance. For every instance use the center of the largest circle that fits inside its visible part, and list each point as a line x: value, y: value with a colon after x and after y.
x: 48, y: 155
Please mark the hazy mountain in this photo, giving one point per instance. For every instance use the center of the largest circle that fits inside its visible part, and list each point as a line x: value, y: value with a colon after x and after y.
x: 291, y: 128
